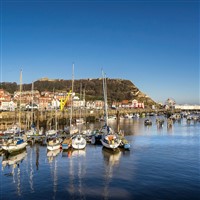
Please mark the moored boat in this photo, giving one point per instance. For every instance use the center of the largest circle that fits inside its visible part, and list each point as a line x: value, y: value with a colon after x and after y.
x: 147, y: 122
x: 67, y: 143
x: 14, y: 144
x: 109, y: 139
x: 53, y: 144
x: 78, y: 142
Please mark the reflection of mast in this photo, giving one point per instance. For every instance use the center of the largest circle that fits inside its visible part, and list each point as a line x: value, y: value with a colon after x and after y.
x: 37, y: 156
x: 18, y: 182
x: 76, y: 154
x: 52, y: 157
x: 71, y: 176
x: 55, y: 179
x: 31, y: 171
x: 80, y: 175
x: 111, y: 160
x: 14, y: 161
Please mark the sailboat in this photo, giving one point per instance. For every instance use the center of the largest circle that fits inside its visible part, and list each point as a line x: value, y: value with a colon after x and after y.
x: 13, y: 130
x: 67, y: 142
x: 109, y: 138
x: 78, y: 141
x: 71, y: 129
x: 32, y: 131
x: 16, y: 143
x: 54, y: 143
x: 53, y: 132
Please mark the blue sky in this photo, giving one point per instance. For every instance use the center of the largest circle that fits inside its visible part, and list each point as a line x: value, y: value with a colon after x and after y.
x: 155, y: 44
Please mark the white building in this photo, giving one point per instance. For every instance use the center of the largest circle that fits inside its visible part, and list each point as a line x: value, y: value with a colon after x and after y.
x: 187, y: 107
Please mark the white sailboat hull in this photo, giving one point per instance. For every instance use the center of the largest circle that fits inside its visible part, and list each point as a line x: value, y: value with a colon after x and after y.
x: 53, y: 144
x: 110, y: 141
x: 14, y: 147
x: 110, y: 146
x: 78, y: 142
x: 53, y: 147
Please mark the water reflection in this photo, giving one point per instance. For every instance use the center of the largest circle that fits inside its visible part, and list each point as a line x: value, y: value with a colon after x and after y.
x: 37, y: 156
x: 31, y: 170
x: 99, y: 173
x: 112, y: 159
x: 52, y: 158
x: 52, y: 154
x: 77, y: 171
x: 73, y: 153
x: 13, y: 162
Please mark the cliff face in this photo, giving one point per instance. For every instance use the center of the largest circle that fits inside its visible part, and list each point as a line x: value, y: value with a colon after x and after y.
x: 117, y: 89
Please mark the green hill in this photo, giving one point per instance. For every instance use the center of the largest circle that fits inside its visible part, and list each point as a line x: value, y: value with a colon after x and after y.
x: 117, y: 89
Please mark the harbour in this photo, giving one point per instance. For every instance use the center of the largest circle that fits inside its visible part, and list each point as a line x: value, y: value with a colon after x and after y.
x: 162, y: 163
x: 45, y: 118
x: 99, y: 100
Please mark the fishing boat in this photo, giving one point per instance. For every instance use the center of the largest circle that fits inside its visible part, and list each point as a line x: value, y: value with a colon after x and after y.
x: 109, y: 139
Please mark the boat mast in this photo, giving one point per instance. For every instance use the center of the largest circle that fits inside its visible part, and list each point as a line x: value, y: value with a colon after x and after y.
x: 20, y: 91
x: 105, y: 97
x: 32, y: 104
x: 72, y: 96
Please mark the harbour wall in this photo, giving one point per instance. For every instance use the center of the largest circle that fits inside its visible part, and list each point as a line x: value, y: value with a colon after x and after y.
x: 48, y: 119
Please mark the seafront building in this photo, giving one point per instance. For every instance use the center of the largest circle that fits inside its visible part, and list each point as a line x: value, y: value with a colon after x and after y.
x: 51, y: 100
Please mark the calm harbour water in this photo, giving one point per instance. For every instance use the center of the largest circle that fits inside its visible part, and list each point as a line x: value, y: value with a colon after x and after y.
x: 161, y: 164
